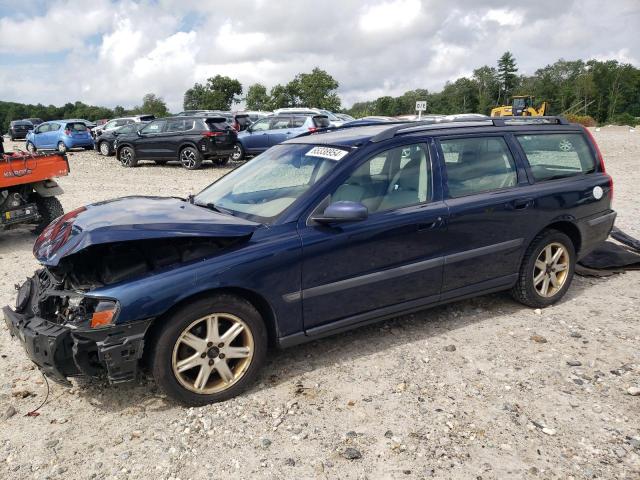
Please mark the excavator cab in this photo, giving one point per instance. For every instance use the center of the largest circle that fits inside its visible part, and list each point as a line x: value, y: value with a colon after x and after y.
x: 520, y: 105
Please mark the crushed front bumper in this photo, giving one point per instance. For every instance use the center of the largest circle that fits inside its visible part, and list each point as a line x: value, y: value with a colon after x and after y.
x: 62, y: 352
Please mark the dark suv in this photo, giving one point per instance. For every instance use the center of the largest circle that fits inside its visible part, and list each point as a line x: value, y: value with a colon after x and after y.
x: 190, y: 140
x: 18, y: 129
x: 320, y: 234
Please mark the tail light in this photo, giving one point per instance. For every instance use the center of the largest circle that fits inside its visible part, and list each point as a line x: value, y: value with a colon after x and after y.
x: 67, y: 132
x: 600, y: 160
x: 313, y: 129
x: 213, y: 134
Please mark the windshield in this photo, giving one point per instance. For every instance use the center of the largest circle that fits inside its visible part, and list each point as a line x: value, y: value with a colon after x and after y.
x: 518, y: 103
x: 263, y: 188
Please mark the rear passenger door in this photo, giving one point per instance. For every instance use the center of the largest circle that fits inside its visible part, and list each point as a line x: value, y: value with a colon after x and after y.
x: 280, y: 130
x: 490, y: 215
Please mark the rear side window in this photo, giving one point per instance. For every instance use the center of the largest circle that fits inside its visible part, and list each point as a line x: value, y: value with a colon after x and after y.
x: 280, y: 122
x: 321, y: 122
x: 476, y: 165
x: 53, y: 127
x: 298, y: 122
x: 557, y: 155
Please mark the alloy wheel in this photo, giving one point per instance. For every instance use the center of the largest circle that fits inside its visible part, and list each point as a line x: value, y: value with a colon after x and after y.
x: 212, y: 353
x: 551, y: 269
x: 188, y: 158
x: 104, y: 148
x: 126, y: 156
x: 62, y: 148
x: 237, y: 152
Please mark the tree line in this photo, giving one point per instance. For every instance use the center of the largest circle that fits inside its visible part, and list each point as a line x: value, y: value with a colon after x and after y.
x: 607, y: 91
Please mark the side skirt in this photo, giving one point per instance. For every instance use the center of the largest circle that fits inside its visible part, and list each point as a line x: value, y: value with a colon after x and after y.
x: 362, y: 319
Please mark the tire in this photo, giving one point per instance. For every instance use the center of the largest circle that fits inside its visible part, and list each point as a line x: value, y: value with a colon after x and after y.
x: 127, y: 157
x: 31, y: 148
x: 169, y: 347
x: 238, y: 152
x: 190, y: 158
x: 49, y: 209
x: 62, y: 148
x: 104, y: 148
x: 538, y: 269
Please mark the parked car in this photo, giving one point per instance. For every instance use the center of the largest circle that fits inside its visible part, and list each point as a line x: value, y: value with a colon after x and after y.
x: 120, y: 122
x: 344, y: 117
x: 320, y: 234
x: 270, y: 131
x: 335, y: 121
x: 18, y: 129
x: 104, y: 143
x: 61, y: 135
x: 87, y: 123
x: 370, y: 119
x: 190, y: 140
x: 35, y: 121
x: 255, y: 115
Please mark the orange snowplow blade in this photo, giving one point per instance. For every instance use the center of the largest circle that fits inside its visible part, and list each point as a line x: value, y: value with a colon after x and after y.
x: 22, y: 168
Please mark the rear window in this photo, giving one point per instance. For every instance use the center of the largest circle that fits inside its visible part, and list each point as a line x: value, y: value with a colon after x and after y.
x: 557, y: 155
x: 321, y: 121
x: 76, y: 127
x: 218, y: 123
x: 22, y: 124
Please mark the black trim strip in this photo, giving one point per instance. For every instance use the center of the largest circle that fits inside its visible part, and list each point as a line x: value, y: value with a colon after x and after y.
x: 478, y: 252
x: 399, y: 271
x: 598, y: 220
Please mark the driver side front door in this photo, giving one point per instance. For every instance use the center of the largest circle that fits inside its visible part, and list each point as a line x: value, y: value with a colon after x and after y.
x: 391, y: 261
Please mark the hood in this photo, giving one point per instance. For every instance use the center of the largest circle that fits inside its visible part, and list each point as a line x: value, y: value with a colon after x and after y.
x: 133, y: 218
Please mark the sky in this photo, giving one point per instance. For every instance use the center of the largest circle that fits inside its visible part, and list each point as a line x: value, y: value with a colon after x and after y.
x: 112, y: 52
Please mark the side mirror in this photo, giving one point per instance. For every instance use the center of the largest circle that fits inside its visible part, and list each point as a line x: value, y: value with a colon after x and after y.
x: 139, y: 132
x: 342, y: 212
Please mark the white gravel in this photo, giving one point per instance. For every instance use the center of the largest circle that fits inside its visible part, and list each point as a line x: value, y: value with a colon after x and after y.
x: 393, y: 400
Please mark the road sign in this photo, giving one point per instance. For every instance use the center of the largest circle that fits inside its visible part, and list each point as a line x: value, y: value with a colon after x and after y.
x: 421, y: 106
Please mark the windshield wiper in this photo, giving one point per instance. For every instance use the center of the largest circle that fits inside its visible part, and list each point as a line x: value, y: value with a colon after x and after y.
x: 215, y: 208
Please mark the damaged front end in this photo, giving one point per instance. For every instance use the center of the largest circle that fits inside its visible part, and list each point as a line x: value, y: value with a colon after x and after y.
x: 68, y: 331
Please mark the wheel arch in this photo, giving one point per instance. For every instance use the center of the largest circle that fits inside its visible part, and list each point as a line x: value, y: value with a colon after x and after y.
x: 263, y: 307
x: 187, y: 143
x: 121, y: 146
x: 570, y: 230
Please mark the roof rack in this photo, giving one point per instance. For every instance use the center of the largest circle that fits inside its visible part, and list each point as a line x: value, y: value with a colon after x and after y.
x: 409, y: 127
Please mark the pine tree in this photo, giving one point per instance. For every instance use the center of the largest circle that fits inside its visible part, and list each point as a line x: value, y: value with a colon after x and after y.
x: 507, y: 69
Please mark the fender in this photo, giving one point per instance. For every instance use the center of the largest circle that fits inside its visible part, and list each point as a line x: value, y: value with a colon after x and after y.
x: 47, y: 188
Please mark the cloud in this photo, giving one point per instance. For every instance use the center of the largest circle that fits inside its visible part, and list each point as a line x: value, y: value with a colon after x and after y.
x: 113, y: 52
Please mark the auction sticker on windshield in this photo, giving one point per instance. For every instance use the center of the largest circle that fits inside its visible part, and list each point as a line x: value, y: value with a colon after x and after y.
x: 327, y: 152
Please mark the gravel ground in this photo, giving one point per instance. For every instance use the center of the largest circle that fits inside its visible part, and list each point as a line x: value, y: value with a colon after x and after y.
x: 484, y: 388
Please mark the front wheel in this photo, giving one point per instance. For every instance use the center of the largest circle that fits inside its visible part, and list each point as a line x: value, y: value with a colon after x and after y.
x: 31, y: 148
x: 190, y: 158
x: 209, y: 350
x: 62, y: 148
x: 127, y: 157
x: 49, y: 209
x: 546, y: 271
x: 104, y: 149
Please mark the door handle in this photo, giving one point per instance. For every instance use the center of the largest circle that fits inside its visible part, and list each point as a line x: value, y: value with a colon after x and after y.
x: 437, y: 223
x: 522, y: 203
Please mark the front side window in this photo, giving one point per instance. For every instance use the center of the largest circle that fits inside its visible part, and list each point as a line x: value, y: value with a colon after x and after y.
x: 264, y: 188
x: 557, y: 155
x: 260, y: 125
x: 43, y: 128
x: 154, y: 127
x: 396, y: 178
x: 476, y: 165
x: 175, y: 126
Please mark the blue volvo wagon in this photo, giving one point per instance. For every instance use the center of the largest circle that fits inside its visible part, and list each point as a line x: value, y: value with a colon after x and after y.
x: 320, y: 234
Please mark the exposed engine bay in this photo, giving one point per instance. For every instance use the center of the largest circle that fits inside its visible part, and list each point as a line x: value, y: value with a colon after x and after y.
x: 53, y: 314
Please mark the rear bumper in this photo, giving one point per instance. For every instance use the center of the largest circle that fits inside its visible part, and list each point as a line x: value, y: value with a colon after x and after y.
x: 594, y: 230
x: 73, y: 143
x: 218, y: 153
x: 62, y: 352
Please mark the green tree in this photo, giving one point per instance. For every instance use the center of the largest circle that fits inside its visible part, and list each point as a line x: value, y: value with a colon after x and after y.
x: 283, y: 96
x: 257, y: 97
x: 317, y: 89
x: 219, y: 93
x: 154, y: 105
x: 507, y: 70
x: 488, y: 85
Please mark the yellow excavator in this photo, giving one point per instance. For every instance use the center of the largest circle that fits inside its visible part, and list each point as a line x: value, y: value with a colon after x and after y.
x: 521, y: 106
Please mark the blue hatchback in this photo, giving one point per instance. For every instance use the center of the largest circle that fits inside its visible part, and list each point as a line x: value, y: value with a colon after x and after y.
x: 320, y: 234
x: 61, y: 135
x: 270, y: 131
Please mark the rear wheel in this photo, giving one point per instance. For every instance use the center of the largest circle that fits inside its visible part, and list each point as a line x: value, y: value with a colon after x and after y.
x: 31, y: 148
x: 238, y: 152
x: 210, y: 350
x: 190, y: 158
x: 127, y: 157
x: 62, y: 148
x: 104, y: 149
x: 49, y: 209
x: 546, y: 271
